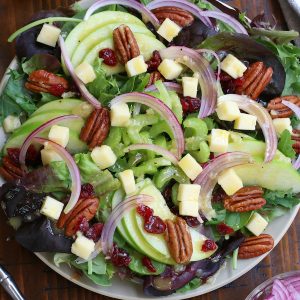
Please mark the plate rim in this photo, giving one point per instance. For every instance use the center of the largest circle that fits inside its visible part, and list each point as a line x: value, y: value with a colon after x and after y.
x: 194, y: 293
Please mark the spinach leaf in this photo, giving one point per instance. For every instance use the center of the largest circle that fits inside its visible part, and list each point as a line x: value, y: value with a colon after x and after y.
x: 15, y: 99
x: 285, y: 144
x: 286, y: 199
x: 193, y: 284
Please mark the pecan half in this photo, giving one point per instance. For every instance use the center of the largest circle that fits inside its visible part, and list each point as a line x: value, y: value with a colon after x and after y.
x: 180, y: 16
x: 125, y: 43
x: 255, y: 80
x: 245, y: 199
x: 46, y: 82
x: 255, y: 246
x: 296, y: 138
x: 9, y: 170
x: 85, y: 208
x: 179, y: 240
x: 279, y: 110
x: 155, y: 76
x: 96, y: 128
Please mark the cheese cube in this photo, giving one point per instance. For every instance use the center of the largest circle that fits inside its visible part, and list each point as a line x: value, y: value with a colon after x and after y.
x: 59, y: 135
x: 233, y: 66
x: 188, y: 192
x: 245, y: 122
x: 49, y: 156
x: 136, y: 66
x: 128, y: 182
x: 48, y: 35
x: 189, y: 208
x: 257, y: 224
x: 120, y: 115
x: 83, y: 110
x: 52, y: 208
x: 230, y: 181
x: 83, y: 247
x: 228, y: 111
x: 190, y: 166
x: 170, y: 69
x: 168, y: 29
x: 11, y: 123
x: 103, y: 157
x: 190, y: 86
x: 85, y: 72
x: 282, y: 124
x: 219, y: 140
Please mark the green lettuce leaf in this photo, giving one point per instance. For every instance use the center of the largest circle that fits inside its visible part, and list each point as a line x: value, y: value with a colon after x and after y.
x: 285, y: 199
x: 285, y: 144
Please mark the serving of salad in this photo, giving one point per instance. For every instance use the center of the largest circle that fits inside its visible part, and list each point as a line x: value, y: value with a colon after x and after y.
x: 151, y: 141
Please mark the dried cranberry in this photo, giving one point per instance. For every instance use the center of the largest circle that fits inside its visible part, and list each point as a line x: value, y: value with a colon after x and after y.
x: 224, y: 229
x: 154, y: 61
x: 87, y: 190
x: 82, y: 225
x: 57, y: 90
x: 120, y: 258
x: 145, y: 211
x: 94, y: 233
x: 229, y: 84
x: 191, y: 221
x: 190, y: 105
x: 146, y: 261
x: 155, y: 225
x: 109, y: 57
x: 209, y: 245
x: 32, y: 155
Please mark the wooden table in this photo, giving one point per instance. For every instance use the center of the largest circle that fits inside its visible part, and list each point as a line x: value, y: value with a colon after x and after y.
x: 35, y: 279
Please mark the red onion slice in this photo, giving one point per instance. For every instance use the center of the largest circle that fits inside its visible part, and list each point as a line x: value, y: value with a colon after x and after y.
x: 81, y: 86
x: 207, y: 78
x: 296, y: 163
x: 170, y: 86
x: 105, y: 244
x: 155, y: 148
x: 263, y: 117
x: 73, y: 169
x: 146, y: 13
x: 183, y: 4
x: 293, y: 107
x: 162, y: 109
x: 208, y: 178
x: 34, y: 133
x: 233, y: 23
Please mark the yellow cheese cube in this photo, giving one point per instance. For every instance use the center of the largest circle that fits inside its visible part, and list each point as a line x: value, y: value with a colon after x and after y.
x: 233, y: 66
x: 245, y: 122
x: 52, y: 208
x: 189, y: 208
x: 11, y: 123
x: 230, y: 182
x: 48, y: 35
x: 219, y: 140
x: 188, y: 192
x: 282, y: 124
x: 168, y: 29
x: 228, y: 111
x: 170, y: 69
x: 49, y: 156
x: 59, y: 135
x: 83, y: 247
x: 136, y: 66
x: 257, y: 224
x: 119, y: 115
x: 83, y: 110
x: 103, y: 157
x: 190, y: 166
x: 85, y: 72
x: 190, y: 86
x: 128, y: 182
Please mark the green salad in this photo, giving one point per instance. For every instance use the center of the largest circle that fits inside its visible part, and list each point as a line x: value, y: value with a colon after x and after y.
x: 150, y: 140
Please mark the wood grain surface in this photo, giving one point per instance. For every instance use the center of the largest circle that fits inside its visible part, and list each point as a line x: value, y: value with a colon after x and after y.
x: 35, y: 279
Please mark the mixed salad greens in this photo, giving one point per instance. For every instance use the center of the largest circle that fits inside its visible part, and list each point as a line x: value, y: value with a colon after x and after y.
x: 150, y: 140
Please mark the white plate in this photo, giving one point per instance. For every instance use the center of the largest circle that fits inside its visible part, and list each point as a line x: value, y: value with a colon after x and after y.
x: 122, y: 289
